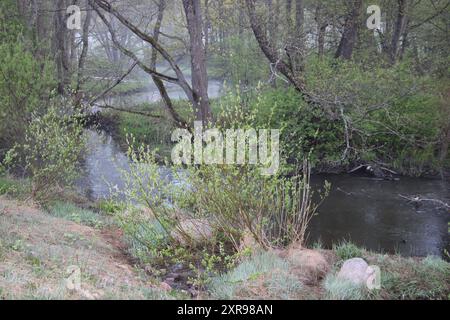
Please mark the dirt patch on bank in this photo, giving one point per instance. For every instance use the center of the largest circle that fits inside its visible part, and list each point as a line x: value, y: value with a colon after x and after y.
x: 39, y: 253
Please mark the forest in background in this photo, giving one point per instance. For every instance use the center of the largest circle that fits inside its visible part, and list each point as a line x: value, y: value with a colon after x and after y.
x: 344, y: 96
x: 315, y: 70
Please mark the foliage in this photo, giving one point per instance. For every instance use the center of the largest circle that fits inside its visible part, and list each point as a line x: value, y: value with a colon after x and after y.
x: 347, y: 250
x: 390, y: 114
x: 17, y: 188
x: 110, y: 207
x: 73, y: 213
x: 275, y: 210
x: 10, y: 25
x: 407, y: 279
x: 25, y: 86
x: 243, y: 63
x: 305, y: 131
x: 358, y: 115
x: 50, y: 153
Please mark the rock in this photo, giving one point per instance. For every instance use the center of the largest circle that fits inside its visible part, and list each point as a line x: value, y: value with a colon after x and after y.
x: 355, y: 270
x: 310, y: 265
x: 193, y: 231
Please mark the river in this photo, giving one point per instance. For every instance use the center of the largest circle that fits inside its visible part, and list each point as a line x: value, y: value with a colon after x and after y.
x: 364, y: 210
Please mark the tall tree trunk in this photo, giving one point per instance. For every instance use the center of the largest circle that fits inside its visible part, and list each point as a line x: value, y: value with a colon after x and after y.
x: 60, y: 42
x: 193, y: 13
x: 299, y: 35
x: 207, y: 26
x: 350, y: 32
x: 400, y: 25
x: 321, y: 29
x: 158, y: 82
x: 321, y: 40
x: 83, y: 55
x: 289, y: 15
x: 272, y: 33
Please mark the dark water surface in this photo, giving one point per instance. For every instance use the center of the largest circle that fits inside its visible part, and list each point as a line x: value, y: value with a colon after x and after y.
x: 371, y: 213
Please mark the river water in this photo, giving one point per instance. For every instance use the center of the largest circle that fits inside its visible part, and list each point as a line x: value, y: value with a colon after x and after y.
x: 364, y: 210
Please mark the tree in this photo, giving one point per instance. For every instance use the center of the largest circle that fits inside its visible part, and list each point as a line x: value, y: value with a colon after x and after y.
x: 287, y: 68
x: 193, y: 12
x: 195, y: 94
x: 350, y: 31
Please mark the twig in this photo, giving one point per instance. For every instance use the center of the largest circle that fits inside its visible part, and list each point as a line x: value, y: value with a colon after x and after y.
x: 118, y: 81
x: 151, y: 115
x: 417, y: 199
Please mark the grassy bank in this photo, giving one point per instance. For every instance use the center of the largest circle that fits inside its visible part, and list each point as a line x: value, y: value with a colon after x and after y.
x: 38, y: 247
x: 96, y: 87
x: 154, y: 131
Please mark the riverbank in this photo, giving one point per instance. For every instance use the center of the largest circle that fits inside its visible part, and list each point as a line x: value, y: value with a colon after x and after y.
x: 43, y: 255
x: 310, y: 136
x: 38, y: 246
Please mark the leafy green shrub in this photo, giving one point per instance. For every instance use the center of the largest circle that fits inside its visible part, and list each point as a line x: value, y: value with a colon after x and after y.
x: 50, y: 153
x: 274, y: 210
x: 359, y: 116
x: 305, y: 131
x: 25, y: 86
x: 111, y: 207
x: 347, y: 250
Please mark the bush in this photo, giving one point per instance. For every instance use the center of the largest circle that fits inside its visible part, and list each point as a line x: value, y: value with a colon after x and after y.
x: 49, y: 154
x: 347, y: 250
x: 235, y: 200
x: 305, y: 131
x: 389, y: 116
x: 25, y: 86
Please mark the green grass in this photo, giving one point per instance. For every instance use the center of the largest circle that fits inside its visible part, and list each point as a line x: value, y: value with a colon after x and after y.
x: 409, y: 279
x: 347, y: 250
x: 272, y: 270
x: 98, y: 86
x: 110, y: 207
x: 12, y: 187
x: 71, y: 212
x: 338, y: 289
x: 151, y: 131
